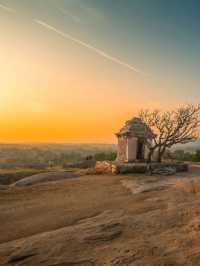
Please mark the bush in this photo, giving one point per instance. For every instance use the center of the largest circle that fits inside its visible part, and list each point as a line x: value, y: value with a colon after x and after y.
x: 196, y: 156
x: 105, y: 156
x: 179, y: 155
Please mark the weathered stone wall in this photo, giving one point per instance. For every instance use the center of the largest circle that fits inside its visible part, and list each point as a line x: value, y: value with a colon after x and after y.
x: 122, y: 149
x: 179, y: 167
x: 124, y: 168
x: 139, y: 168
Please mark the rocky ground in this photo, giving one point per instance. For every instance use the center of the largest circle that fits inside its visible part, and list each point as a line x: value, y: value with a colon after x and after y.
x: 103, y: 220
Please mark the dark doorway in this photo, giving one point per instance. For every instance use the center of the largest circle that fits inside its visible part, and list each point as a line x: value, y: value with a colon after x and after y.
x: 140, y: 150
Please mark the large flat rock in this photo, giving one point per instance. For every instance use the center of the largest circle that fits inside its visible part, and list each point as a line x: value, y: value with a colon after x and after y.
x: 44, y: 177
x: 63, y: 245
x: 102, y: 220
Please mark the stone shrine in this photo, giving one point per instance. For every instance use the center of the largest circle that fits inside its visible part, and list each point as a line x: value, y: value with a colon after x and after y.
x: 132, y: 141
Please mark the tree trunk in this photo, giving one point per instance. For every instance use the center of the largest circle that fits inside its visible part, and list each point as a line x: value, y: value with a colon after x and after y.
x: 160, y: 154
x: 159, y: 158
x: 150, y: 154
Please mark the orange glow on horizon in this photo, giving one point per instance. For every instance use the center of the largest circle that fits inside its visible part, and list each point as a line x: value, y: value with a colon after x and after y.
x: 54, y: 91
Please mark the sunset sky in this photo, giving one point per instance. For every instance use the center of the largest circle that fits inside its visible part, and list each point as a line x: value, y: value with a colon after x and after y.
x: 75, y: 70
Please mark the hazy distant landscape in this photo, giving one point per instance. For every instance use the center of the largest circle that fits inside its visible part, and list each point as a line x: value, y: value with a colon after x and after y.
x: 41, y: 156
x: 190, y: 147
x: 22, y: 160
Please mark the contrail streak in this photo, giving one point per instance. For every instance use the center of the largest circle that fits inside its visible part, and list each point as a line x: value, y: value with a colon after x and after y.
x: 8, y: 9
x: 87, y: 45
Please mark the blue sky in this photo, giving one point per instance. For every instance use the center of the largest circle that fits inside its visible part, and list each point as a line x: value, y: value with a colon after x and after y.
x: 139, y: 53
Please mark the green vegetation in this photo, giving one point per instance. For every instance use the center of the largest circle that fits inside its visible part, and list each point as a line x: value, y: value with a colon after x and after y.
x: 181, y: 155
x: 105, y: 156
x: 196, y: 156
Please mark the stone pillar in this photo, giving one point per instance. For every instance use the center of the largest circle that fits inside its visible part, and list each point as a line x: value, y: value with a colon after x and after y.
x: 131, y: 149
x: 122, y: 149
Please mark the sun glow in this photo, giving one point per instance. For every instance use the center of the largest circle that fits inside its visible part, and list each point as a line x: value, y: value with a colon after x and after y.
x: 65, y: 81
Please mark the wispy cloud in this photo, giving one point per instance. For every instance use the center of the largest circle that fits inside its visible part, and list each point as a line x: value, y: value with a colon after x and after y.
x: 69, y: 14
x: 8, y: 9
x: 90, y: 47
x: 93, y: 12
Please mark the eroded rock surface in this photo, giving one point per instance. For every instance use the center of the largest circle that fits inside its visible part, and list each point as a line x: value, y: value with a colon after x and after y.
x: 65, y: 242
x: 135, y: 220
x: 44, y: 177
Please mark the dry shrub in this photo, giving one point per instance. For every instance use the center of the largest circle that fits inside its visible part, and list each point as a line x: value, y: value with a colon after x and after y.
x: 194, y: 225
x: 189, y: 186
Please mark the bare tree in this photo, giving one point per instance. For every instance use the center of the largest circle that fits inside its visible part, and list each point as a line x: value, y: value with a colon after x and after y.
x: 171, y: 127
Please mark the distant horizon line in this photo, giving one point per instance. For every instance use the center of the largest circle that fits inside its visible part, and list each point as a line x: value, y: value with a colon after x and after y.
x: 56, y: 143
